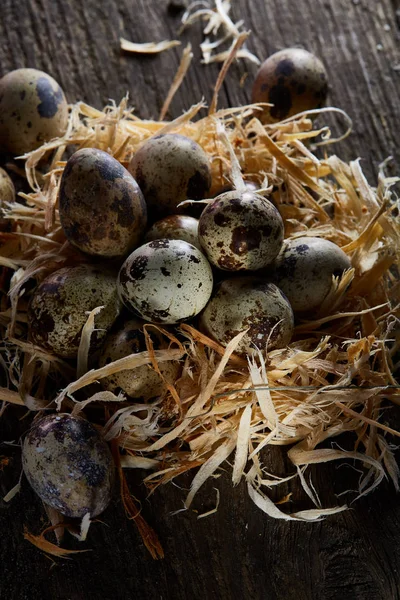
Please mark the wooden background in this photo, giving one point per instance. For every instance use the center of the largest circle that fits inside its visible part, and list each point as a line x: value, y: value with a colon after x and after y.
x: 238, y: 553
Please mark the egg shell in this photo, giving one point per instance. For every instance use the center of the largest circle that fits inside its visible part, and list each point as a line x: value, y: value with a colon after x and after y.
x: 241, y: 231
x: 292, y: 80
x: 33, y: 110
x: 57, y: 311
x: 165, y: 281
x: 68, y: 465
x: 249, y: 303
x: 102, y: 210
x: 170, y: 168
x: 175, y: 227
x: 143, y: 382
x: 304, y: 270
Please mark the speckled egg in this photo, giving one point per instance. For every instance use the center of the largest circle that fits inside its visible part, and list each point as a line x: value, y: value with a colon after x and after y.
x: 249, y: 303
x: 102, y: 210
x: 69, y: 465
x: 59, y: 306
x: 143, y: 382
x: 7, y: 189
x: 292, y: 80
x: 165, y: 281
x: 241, y: 231
x: 175, y: 227
x: 304, y: 270
x: 33, y: 110
x: 170, y: 168
x: 7, y: 194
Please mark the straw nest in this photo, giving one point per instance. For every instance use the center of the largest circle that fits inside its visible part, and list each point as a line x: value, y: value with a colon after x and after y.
x: 332, y: 378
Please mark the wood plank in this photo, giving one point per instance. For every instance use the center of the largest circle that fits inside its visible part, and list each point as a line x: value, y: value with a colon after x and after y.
x: 238, y: 553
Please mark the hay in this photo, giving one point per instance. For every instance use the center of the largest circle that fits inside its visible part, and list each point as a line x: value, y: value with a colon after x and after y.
x: 333, y: 378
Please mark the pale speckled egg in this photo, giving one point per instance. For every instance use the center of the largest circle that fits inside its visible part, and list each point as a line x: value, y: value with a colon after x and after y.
x: 175, y: 227
x: 304, y: 270
x: 33, y: 110
x: 143, y: 382
x: 68, y: 465
x: 249, y: 303
x: 241, y: 231
x: 170, y: 168
x: 57, y: 311
x: 292, y: 80
x: 102, y: 210
x: 165, y: 281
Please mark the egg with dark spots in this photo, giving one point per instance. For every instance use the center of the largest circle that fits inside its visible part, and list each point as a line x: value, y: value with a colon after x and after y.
x: 252, y: 304
x: 59, y: 306
x: 141, y: 383
x: 68, y: 465
x: 7, y: 195
x: 165, y: 281
x: 241, y: 231
x: 33, y: 110
x: 293, y: 80
x: 175, y: 227
x: 102, y: 209
x: 169, y: 169
x: 304, y: 270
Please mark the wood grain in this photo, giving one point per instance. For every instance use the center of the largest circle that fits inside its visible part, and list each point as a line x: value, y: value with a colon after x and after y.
x: 238, y: 553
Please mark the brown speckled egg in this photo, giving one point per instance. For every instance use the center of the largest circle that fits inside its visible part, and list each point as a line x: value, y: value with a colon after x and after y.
x: 170, y: 168
x: 33, y: 110
x: 143, y: 382
x: 292, y: 80
x: 241, y: 231
x: 57, y: 311
x: 7, y: 194
x: 304, y: 270
x: 102, y: 209
x: 165, y: 281
x: 7, y: 189
x: 175, y: 227
x: 249, y: 303
x: 69, y: 465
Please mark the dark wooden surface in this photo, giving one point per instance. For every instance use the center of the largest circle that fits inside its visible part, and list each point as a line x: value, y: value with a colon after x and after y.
x: 239, y: 552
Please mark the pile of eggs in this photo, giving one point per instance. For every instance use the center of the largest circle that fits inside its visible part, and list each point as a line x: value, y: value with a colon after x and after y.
x: 144, y: 261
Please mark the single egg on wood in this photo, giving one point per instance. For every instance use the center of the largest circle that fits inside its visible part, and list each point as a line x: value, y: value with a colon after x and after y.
x: 175, y: 227
x: 249, y: 303
x: 59, y: 306
x: 102, y: 209
x: 169, y: 169
x: 293, y: 80
x: 33, y: 110
x: 241, y: 231
x: 165, y: 281
x: 68, y: 465
x: 142, y: 382
x: 304, y: 270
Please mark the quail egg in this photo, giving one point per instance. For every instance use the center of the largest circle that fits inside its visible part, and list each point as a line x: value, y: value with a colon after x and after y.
x: 165, y: 281
x: 68, y: 465
x: 170, y: 168
x: 253, y: 304
x: 102, y: 209
x: 143, y: 382
x: 175, y: 227
x: 292, y: 80
x: 33, y: 110
x: 7, y: 194
x: 304, y: 270
x: 240, y: 231
x: 59, y: 306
